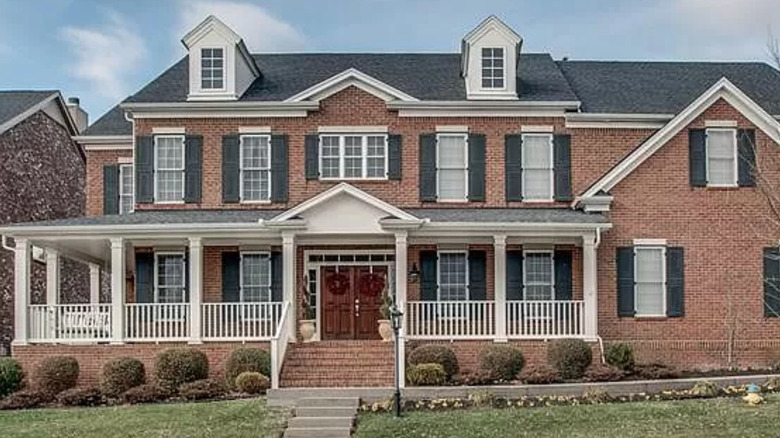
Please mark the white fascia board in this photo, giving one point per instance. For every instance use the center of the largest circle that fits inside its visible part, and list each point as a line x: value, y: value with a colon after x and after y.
x: 44, y: 232
x: 617, y: 121
x: 210, y: 24
x: 351, y: 76
x: 102, y: 139
x: 482, y: 108
x: 492, y: 23
x: 510, y: 228
x: 219, y: 109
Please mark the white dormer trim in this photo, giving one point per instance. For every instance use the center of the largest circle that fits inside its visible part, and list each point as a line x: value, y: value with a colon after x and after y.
x: 471, y: 70
x: 348, y: 78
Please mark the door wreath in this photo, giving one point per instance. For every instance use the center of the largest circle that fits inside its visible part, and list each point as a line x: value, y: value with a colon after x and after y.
x: 337, y: 283
x: 371, y: 285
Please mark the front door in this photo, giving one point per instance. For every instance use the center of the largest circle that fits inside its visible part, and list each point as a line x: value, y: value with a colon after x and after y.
x: 351, y: 299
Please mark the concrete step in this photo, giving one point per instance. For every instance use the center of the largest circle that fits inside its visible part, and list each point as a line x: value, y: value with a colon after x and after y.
x: 328, y: 402
x: 327, y: 412
x: 320, y: 422
x: 318, y: 432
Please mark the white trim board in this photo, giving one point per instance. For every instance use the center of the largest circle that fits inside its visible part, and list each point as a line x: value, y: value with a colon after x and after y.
x: 347, y: 78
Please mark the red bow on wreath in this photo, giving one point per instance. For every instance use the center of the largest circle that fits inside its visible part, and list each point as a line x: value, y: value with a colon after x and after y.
x: 337, y: 283
x: 371, y: 285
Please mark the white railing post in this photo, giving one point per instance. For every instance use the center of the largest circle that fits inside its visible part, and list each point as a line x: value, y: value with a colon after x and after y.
x: 196, y: 289
x: 499, y: 279
x: 21, y: 290
x: 117, y: 290
x: 52, y: 289
x: 590, y: 286
x: 94, y: 283
x: 401, y: 246
x: 288, y: 276
x: 279, y: 345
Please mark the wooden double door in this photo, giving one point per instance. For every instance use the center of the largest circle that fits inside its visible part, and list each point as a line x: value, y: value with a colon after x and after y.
x: 351, y: 300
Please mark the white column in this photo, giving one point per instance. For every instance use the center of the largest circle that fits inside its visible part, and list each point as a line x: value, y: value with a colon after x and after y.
x: 288, y: 277
x: 21, y: 290
x: 52, y: 288
x: 499, y: 280
x: 117, y: 290
x: 196, y: 289
x: 401, y: 245
x: 94, y: 283
x: 590, y: 285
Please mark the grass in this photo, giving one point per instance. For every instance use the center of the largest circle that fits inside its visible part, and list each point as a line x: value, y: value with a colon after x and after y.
x: 224, y: 419
x: 713, y: 418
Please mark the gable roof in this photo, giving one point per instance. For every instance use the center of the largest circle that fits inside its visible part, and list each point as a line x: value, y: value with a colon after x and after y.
x: 347, y: 78
x: 112, y: 123
x: 18, y: 105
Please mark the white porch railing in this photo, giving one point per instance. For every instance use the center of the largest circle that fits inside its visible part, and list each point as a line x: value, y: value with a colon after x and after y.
x: 450, y: 319
x: 284, y: 332
x: 157, y: 322
x: 545, y: 319
x: 71, y: 322
x: 240, y: 321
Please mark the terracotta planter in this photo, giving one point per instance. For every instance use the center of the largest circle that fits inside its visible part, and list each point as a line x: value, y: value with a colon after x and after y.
x: 307, y: 329
x: 385, y: 330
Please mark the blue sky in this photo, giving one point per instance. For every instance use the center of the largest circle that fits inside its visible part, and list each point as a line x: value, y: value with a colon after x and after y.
x: 105, y: 50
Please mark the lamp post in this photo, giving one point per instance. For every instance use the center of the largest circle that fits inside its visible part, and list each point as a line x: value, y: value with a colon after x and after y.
x: 395, y: 318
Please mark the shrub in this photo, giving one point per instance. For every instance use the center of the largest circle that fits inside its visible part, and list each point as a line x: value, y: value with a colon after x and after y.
x: 176, y: 366
x: 250, y: 382
x: 426, y: 374
x: 80, y: 397
x: 501, y: 362
x: 203, y: 389
x: 621, y: 355
x: 434, y: 353
x: 571, y: 357
x: 539, y: 374
x: 121, y: 374
x: 56, y: 374
x: 655, y: 371
x: 603, y: 373
x: 246, y: 359
x: 146, y: 393
x: 11, y: 376
x: 25, y: 399
x: 475, y: 378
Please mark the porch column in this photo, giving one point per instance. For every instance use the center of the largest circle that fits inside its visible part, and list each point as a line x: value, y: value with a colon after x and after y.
x: 196, y: 289
x: 94, y: 283
x: 590, y: 286
x: 21, y: 289
x: 499, y: 280
x: 401, y: 246
x: 52, y: 288
x: 288, y: 278
x: 117, y: 290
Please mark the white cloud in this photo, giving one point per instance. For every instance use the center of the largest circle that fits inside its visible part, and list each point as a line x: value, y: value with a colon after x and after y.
x: 261, y: 31
x: 729, y: 17
x: 105, y: 56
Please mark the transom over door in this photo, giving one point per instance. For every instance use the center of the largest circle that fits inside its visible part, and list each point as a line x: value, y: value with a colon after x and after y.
x: 351, y: 299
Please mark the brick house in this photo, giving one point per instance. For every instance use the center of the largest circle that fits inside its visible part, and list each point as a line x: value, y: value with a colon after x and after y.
x: 497, y: 195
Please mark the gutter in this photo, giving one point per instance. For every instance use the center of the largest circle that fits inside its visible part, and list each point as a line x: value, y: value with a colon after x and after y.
x: 485, y: 105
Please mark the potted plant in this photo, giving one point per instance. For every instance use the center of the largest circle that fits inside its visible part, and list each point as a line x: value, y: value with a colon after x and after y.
x: 385, y: 329
x: 307, y: 326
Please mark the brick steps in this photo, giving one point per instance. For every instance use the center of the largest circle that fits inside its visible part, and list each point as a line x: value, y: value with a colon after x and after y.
x: 338, y: 364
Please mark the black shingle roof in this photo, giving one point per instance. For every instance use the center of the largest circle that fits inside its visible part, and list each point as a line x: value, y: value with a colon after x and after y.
x: 13, y: 103
x: 112, y: 122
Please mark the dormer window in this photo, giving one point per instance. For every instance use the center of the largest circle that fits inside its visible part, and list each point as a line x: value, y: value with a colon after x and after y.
x: 212, y: 69
x: 493, y: 67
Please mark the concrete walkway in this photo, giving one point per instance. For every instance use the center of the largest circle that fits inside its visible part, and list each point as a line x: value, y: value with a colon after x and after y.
x: 323, y: 417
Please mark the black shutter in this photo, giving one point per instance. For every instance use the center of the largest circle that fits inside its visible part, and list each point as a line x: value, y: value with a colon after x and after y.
x: 427, y: 181
x: 230, y: 169
x: 231, y: 270
x: 513, y: 163
x: 562, y: 167
x: 394, y: 157
x: 193, y: 168
x: 186, y: 262
x: 772, y: 282
x: 278, y: 168
x: 625, y: 281
x: 514, y: 275
x: 675, y: 282
x: 144, y: 170
x: 428, y: 280
x: 746, y: 150
x: 477, y: 275
x: 476, y: 151
x: 111, y: 189
x: 563, y: 271
x: 697, y: 144
x: 144, y: 277
x: 277, y: 291
x: 312, y: 152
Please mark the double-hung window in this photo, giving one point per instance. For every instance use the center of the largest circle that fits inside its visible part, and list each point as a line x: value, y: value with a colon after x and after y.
x: 255, y: 283
x: 453, y: 276
x: 353, y: 156
x: 255, y: 168
x: 212, y: 69
x: 539, y: 278
x: 650, y: 280
x: 722, y: 157
x: 493, y: 67
x: 169, y: 278
x: 452, y: 167
x: 126, y: 200
x: 169, y: 168
x: 537, y: 156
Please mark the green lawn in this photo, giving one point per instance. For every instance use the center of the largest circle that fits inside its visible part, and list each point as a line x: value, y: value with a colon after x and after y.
x: 691, y: 419
x: 227, y: 419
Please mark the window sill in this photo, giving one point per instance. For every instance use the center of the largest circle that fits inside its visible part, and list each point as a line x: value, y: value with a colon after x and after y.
x: 168, y: 202
x: 255, y: 202
x: 651, y: 317
x: 722, y: 188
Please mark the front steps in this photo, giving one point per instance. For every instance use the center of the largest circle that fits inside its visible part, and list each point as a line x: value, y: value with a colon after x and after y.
x: 338, y: 364
x: 323, y: 417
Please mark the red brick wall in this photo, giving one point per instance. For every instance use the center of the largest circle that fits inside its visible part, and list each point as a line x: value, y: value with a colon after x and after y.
x: 95, y: 162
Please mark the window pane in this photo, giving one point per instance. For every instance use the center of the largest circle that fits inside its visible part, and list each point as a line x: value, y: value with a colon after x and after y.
x: 721, y: 157
x: 538, y: 276
x: 170, y: 278
x: 537, y: 152
x: 353, y: 157
x: 452, y: 277
x: 126, y: 202
x: 649, y: 265
x: 211, y: 68
x: 255, y: 277
x: 537, y: 184
x: 649, y: 299
x: 493, y: 67
x: 452, y: 184
x: 452, y: 151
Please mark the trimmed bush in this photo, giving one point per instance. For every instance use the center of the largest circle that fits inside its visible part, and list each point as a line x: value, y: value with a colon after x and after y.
x: 603, y: 373
x: 203, y: 389
x: 426, y: 374
x: 80, y: 397
x: 11, y: 376
x: 147, y: 393
x: 121, y: 374
x: 253, y: 383
x: 246, y: 359
x: 501, y: 362
x: 571, y: 357
x: 25, y: 399
x: 56, y: 374
x: 176, y: 366
x: 539, y: 374
x: 435, y: 353
x: 621, y: 355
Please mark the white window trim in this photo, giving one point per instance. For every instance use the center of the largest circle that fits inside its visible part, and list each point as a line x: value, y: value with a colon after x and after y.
x: 183, y: 166
x: 241, y: 276
x: 224, y: 70
x: 663, y: 280
x: 552, y: 271
x: 550, y: 137
x: 122, y: 169
x: 364, y: 156
x: 241, y: 170
x: 438, y: 273
x: 707, y: 156
x: 503, y: 69
x: 157, y: 271
x: 465, y: 167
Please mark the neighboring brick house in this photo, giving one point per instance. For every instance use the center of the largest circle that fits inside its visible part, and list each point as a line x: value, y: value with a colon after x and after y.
x: 499, y: 196
x: 41, y: 178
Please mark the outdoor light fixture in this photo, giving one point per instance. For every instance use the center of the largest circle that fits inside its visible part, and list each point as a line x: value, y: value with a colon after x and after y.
x: 396, y: 318
x: 414, y: 273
